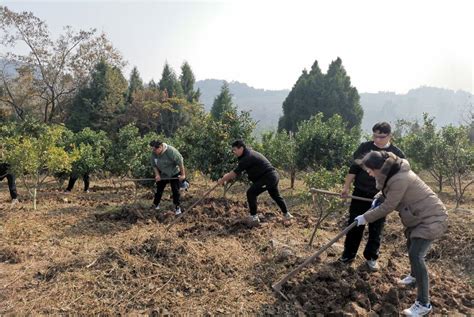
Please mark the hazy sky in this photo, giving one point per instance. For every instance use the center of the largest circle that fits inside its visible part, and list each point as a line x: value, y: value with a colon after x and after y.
x: 384, y: 45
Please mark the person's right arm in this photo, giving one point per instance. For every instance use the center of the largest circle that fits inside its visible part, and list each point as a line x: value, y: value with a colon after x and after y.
x: 353, y: 170
x: 227, y: 177
x: 347, y: 185
x: 157, y: 174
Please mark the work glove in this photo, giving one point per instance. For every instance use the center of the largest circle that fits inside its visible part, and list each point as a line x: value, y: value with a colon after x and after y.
x: 375, y: 203
x: 360, y: 220
x: 184, y: 185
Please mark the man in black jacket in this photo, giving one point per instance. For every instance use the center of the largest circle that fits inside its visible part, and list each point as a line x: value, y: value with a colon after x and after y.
x: 261, y: 173
x: 5, y: 173
x: 364, y: 186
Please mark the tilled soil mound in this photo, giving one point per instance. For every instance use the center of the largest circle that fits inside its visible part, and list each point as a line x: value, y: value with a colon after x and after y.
x: 212, y: 261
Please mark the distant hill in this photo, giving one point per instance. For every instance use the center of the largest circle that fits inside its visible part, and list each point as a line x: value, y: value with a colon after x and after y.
x: 448, y: 106
x: 265, y: 105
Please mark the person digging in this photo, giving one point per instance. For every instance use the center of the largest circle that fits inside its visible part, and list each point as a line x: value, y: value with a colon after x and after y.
x: 168, y: 166
x: 421, y: 211
x: 364, y: 186
x: 261, y: 173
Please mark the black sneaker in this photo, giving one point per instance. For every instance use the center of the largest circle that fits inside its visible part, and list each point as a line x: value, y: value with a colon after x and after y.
x: 345, y: 260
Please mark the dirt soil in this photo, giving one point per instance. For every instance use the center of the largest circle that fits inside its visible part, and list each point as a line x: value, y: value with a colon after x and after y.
x: 108, y: 252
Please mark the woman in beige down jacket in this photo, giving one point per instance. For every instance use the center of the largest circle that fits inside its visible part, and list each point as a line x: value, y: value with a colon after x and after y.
x: 420, y: 210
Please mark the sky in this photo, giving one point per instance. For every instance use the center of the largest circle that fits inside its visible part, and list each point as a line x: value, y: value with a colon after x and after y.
x: 384, y: 45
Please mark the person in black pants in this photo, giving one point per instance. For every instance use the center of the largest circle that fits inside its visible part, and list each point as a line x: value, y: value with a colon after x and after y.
x: 261, y: 173
x: 72, y: 180
x: 5, y: 173
x: 364, y: 186
x: 168, y: 166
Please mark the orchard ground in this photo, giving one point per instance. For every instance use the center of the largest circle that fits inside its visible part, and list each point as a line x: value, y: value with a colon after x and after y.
x: 108, y: 252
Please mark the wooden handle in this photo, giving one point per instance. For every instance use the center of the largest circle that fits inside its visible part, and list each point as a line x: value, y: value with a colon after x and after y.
x: 175, y: 220
x: 322, y: 191
x: 277, y: 286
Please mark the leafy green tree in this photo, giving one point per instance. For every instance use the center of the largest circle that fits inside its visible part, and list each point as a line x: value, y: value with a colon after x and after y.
x: 324, y: 144
x: 91, y: 148
x: 131, y: 155
x: 135, y: 84
x: 99, y: 103
x: 34, y: 158
x: 205, y: 143
x: 187, y: 81
x: 175, y: 113
x: 423, y: 146
x: 329, y: 94
x: 223, y: 103
x: 456, y: 158
x: 280, y: 149
x: 169, y: 82
x: 126, y: 151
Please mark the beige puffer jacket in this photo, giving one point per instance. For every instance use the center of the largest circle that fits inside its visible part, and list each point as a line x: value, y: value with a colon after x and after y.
x: 420, y: 209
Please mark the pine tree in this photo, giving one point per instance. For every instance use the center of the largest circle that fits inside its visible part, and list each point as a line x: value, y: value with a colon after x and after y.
x: 223, y: 103
x: 187, y: 81
x: 170, y: 83
x: 97, y: 104
x: 315, y: 92
x: 134, y: 84
x: 152, y: 84
x: 340, y: 97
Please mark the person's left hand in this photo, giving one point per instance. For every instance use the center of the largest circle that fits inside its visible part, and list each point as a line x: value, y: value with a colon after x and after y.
x: 181, y: 177
x: 360, y: 220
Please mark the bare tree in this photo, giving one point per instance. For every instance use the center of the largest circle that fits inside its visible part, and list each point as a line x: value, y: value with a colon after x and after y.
x: 58, y: 67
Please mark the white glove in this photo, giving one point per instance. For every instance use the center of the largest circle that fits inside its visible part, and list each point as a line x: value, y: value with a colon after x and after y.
x: 360, y: 220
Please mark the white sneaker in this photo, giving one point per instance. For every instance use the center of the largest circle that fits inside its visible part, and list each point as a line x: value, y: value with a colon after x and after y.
x: 157, y: 207
x: 288, y: 216
x: 418, y: 309
x: 177, y: 211
x: 373, y: 265
x: 14, y: 202
x: 254, y: 218
x: 407, y: 280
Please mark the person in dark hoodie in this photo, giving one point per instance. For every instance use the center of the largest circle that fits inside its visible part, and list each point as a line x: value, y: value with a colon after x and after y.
x: 261, y: 173
x: 364, y: 186
x: 6, y: 173
x: 421, y: 211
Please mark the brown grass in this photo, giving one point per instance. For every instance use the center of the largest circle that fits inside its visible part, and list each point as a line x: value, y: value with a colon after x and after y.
x: 107, y: 253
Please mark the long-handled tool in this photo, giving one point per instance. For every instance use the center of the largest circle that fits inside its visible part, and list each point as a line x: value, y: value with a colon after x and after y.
x: 277, y: 286
x: 175, y: 220
x: 315, y: 192
x: 147, y: 179
x: 322, y: 191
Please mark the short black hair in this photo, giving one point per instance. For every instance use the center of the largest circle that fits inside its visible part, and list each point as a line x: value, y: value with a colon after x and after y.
x: 156, y: 143
x: 383, y: 127
x: 375, y: 159
x: 238, y: 143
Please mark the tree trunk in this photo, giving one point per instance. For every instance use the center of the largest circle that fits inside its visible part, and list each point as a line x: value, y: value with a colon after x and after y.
x: 292, y: 179
x: 34, y: 198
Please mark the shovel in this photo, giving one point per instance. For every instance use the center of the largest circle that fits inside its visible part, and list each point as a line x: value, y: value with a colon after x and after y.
x: 277, y: 286
x: 175, y: 220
